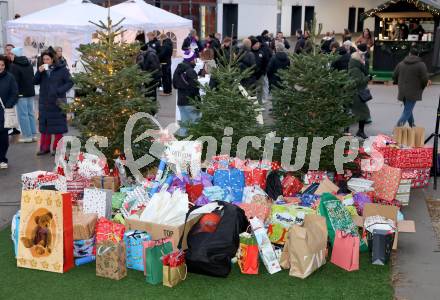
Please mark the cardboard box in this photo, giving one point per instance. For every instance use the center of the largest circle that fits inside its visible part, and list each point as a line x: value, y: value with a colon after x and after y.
x: 106, y: 182
x: 160, y: 231
x: 389, y: 212
x: 83, y: 225
x: 326, y: 186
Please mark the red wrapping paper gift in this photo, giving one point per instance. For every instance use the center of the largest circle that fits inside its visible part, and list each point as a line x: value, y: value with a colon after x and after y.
x: 253, y: 210
x: 386, y: 182
x: 108, y: 231
x: 291, y: 186
x: 412, y: 158
x: 420, y: 176
x: 255, y: 176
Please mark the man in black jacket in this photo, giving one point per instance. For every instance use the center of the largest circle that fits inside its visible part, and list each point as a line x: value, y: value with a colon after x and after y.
x: 151, y: 64
x: 165, y: 55
x: 153, y: 42
x: 301, y: 42
x: 23, y: 72
x: 187, y: 85
x: 279, y: 61
x: 262, y: 57
x: 341, y: 63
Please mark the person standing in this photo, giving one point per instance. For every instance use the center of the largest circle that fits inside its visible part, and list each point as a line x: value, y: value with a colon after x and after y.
x: 8, y: 51
x: 300, y: 42
x: 346, y: 36
x: 326, y: 41
x: 262, y: 57
x: 186, y: 83
x: 23, y: 72
x: 411, y: 76
x: 151, y: 64
x: 358, y: 72
x: 402, y: 30
x: 54, y: 80
x: 165, y: 55
x: 60, y: 57
x: 8, y: 96
x: 280, y: 61
x: 280, y: 39
x: 247, y: 61
x: 192, y: 42
x: 366, y: 38
x: 226, y: 48
x: 341, y: 63
x: 153, y: 42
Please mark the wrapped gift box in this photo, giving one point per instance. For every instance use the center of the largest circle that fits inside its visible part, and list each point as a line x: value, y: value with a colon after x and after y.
x: 106, y: 182
x: 232, y: 182
x: 84, y: 226
x: 412, y: 158
x: 98, y: 201
x: 403, y: 193
x: 386, y: 182
x: 36, y: 180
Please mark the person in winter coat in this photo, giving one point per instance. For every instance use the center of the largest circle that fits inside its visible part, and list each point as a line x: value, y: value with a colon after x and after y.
x: 8, y: 95
x: 308, y: 45
x: 300, y: 42
x: 151, y: 64
x: 226, y: 48
x: 23, y: 72
x: 279, y: 61
x: 192, y: 42
x: 341, y: 63
x: 411, y: 75
x: 186, y: 83
x: 358, y: 72
x: 346, y: 36
x: 60, y: 57
x: 247, y: 60
x: 262, y: 57
x: 153, y: 42
x: 326, y: 42
x: 165, y: 55
x: 280, y: 39
x: 366, y: 38
x: 54, y: 80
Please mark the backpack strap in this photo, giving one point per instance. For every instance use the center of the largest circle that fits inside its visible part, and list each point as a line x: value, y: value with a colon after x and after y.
x: 179, y: 246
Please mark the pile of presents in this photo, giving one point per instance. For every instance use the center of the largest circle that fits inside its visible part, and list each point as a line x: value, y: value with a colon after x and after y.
x: 203, y: 220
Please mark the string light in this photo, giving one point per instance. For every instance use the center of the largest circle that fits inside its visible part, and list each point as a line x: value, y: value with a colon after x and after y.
x: 420, y: 4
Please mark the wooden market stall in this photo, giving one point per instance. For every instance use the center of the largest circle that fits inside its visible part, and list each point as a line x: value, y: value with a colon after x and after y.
x: 400, y: 25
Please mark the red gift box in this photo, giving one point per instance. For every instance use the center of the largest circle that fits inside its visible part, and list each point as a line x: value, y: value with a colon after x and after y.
x: 420, y: 176
x: 412, y: 158
x: 315, y: 177
x: 386, y: 182
x: 291, y: 186
x: 108, y: 231
x: 255, y: 177
x: 194, y: 191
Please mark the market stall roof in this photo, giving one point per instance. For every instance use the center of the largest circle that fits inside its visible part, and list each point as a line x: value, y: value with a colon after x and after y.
x: 152, y: 17
x: 70, y: 16
x: 432, y: 6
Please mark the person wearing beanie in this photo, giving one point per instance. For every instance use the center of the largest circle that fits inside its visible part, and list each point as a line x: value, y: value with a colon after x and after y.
x: 192, y: 42
x: 187, y: 86
x: 246, y: 61
x: 411, y: 76
x: 23, y: 72
x: 226, y: 48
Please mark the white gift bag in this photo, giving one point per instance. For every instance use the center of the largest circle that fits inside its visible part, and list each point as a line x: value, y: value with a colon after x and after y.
x: 98, y: 201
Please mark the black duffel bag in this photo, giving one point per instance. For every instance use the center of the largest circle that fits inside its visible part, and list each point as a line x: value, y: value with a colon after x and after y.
x: 214, y: 241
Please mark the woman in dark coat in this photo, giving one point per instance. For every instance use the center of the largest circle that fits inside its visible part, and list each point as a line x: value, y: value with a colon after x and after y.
x: 54, y: 80
x: 9, y: 97
x: 358, y: 72
x: 279, y: 61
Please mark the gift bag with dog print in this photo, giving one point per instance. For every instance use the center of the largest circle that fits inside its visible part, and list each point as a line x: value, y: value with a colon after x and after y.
x: 46, y: 232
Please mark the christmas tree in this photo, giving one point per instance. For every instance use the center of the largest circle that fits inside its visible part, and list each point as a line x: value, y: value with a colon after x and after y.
x: 112, y: 88
x: 313, y: 101
x: 226, y: 104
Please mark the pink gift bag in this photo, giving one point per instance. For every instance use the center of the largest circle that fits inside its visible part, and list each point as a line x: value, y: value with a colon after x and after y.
x: 345, y: 252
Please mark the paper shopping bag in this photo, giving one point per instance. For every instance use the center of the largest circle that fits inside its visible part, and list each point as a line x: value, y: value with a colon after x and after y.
x: 305, y: 249
x: 134, y: 240
x: 345, y: 253
x: 110, y: 260
x: 174, y: 268
x: 46, y: 232
x: 153, y: 251
x: 419, y: 136
x: 247, y: 255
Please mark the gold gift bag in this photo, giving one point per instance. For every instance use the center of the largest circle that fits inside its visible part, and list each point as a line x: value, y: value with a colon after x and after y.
x: 398, y: 135
x: 411, y: 138
x: 419, y: 136
x: 172, y: 276
x: 40, y: 244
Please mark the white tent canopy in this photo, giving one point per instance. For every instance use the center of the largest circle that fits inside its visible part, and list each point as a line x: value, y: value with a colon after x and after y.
x: 152, y: 17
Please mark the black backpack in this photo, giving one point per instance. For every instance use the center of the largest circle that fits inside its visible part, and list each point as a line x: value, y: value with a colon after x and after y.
x: 211, y: 253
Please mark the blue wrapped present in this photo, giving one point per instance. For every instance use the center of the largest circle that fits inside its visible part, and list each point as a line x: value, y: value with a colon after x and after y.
x: 308, y: 200
x: 134, y: 240
x: 232, y: 182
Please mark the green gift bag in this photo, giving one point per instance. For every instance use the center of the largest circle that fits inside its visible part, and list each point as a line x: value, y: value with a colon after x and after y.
x: 153, y: 252
x: 117, y: 200
x: 338, y: 218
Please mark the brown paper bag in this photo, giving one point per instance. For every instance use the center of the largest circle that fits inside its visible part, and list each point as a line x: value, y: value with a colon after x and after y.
x: 84, y: 225
x: 110, y: 260
x: 326, y: 186
x: 305, y: 249
x: 404, y: 140
x: 411, y: 138
x: 172, y: 276
x: 397, y: 133
x: 419, y: 136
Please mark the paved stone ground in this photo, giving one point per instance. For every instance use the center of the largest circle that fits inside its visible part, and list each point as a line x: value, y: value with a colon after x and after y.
x: 418, y: 259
